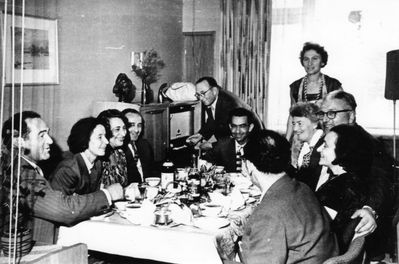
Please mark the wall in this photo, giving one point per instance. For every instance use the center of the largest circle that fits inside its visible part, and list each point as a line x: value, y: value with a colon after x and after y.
x: 204, y: 15
x: 95, y: 40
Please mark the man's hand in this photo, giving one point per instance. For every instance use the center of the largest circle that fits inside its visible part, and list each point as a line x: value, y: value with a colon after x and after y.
x: 367, y: 224
x: 205, y: 146
x: 116, y: 191
x: 194, y: 139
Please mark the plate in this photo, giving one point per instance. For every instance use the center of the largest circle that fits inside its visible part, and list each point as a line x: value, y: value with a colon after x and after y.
x: 133, y: 205
x: 212, y: 205
x: 211, y: 223
x: 103, y: 216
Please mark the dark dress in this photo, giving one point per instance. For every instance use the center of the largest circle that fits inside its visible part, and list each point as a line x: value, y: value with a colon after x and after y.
x: 330, y: 83
x: 345, y: 194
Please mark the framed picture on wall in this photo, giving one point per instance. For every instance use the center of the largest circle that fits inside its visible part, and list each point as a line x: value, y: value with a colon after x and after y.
x: 40, y: 50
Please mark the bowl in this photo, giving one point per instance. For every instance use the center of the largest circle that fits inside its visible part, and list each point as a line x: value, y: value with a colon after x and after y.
x: 152, y: 181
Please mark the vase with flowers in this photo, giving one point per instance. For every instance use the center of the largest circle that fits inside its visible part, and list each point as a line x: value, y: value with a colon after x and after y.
x: 148, y: 70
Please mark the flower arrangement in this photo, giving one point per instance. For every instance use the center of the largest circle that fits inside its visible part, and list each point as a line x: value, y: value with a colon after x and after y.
x: 149, y: 67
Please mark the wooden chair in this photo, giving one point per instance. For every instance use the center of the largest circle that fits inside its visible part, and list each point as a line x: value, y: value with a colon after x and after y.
x: 76, y: 254
x: 354, y: 253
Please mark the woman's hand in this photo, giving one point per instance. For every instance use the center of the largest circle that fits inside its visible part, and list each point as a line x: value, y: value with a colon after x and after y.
x: 367, y: 224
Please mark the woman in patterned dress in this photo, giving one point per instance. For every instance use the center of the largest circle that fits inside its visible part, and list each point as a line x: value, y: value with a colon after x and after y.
x: 114, y: 162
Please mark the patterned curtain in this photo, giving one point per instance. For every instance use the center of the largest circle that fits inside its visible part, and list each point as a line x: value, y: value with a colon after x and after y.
x: 245, y: 45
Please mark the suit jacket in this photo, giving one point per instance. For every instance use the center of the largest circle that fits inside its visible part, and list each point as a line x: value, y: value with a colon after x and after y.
x: 288, y: 226
x: 44, y: 208
x: 223, y: 154
x: 71, y: 176
x: 226, y: 102
x: 311, y: 174
x: 380, y: 183
x: 146, y: 156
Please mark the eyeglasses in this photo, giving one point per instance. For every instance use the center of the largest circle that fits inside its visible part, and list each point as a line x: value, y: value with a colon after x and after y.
x: 330, y: 114
x: 201, y: 94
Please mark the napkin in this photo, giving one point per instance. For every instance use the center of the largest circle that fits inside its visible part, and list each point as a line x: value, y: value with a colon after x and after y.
x: 132, y: 191
x: 237, y: 199
x: 219, y: 199
x: 143, y: 215
x: 180, y: 215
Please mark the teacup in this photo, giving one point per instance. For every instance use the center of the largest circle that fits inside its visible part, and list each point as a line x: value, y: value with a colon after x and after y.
x: 121, y: 206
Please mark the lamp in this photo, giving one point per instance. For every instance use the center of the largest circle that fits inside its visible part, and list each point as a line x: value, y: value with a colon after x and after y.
x: 392, y: 93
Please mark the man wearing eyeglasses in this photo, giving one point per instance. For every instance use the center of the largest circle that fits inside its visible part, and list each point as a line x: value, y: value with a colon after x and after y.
x: 217, y: 104
x: 339, y: 107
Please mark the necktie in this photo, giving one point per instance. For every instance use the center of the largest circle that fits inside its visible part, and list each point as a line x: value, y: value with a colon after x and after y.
x: 239, y: 160
x: 135, y: 154
x: 210, y: 114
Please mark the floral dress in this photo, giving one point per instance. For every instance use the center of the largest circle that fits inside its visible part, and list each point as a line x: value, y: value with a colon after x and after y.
x: 115, y: 169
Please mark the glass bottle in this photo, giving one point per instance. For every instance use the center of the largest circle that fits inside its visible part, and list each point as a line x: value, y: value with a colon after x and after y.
x: 167, y: 174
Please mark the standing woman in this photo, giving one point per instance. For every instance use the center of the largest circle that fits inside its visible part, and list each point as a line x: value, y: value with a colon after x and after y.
x: 315, y: 85
x: 305, y: 123
x: 81, y: 173
x: 114, y: 161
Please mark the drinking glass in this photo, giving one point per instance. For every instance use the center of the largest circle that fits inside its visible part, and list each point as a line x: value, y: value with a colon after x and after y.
x: 143, y: 190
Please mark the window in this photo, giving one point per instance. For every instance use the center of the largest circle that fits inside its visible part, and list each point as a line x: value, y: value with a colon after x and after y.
x: 357, y: 34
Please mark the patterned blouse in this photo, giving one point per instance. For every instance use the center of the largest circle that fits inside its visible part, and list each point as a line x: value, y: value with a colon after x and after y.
x: 114, y: 169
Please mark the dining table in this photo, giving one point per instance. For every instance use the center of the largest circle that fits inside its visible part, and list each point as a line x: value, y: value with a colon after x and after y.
x: 209, y: 239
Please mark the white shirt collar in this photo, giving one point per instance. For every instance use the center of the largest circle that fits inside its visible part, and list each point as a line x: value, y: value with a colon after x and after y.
x: 89, y: 165
x: 213, y: 105
x: 316, y: 136
x: 239, y: 147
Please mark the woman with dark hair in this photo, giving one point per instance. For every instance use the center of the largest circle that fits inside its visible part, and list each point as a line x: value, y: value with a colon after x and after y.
x: 114, y: 161
x: 315, y: 85
x: 81, y: 173
x: 305, y: 158
x: 347, y: 153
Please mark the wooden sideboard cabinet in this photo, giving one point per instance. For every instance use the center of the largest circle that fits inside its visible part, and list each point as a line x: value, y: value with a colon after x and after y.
x: 166, y: 125
x: 156, y: 127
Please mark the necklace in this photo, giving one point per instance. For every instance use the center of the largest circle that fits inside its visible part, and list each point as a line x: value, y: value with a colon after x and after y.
x: 305, y: 89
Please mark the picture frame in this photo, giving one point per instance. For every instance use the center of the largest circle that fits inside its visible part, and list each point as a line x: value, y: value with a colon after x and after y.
x: 40, y: 50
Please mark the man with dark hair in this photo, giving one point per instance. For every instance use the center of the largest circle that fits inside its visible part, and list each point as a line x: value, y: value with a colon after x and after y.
x: 42, y: 207
x: 217, y: 104
x: 337, y: 108
x: 289, y: 225
x: 228, y: 150
x: 139, y: 153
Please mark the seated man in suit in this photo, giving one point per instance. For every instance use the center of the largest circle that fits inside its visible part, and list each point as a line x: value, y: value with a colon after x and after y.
x: 289, y: 225
x: 41, y: 206
x: 228, y: 150
x: 139, y: 154
x: 339, y: 107
x: 217, y: 103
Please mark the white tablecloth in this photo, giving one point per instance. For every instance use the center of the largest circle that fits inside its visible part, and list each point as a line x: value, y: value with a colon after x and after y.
x: 116, y: 235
